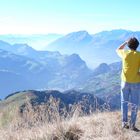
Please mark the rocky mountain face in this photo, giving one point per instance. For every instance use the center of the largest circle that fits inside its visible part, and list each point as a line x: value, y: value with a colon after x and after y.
x: 26, y: 68
x: 104, y: 82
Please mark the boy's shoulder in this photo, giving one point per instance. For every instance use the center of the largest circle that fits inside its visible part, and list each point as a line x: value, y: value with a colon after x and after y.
x: 127, y: 51
x: 138, y: 52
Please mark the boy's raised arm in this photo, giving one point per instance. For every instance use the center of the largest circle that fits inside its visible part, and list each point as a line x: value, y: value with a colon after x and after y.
x: 122, y: 46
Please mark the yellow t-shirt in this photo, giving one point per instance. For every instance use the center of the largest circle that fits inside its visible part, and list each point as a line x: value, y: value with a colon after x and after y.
x: 130, y: 65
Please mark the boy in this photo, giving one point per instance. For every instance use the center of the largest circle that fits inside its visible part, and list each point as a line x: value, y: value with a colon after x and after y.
x: 130, y: 86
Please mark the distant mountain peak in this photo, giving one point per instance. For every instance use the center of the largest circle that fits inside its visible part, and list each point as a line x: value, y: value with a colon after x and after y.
x: 120, y: 30
x: 102, y: 68
x: 22, y: 45
x: 80, y: 32
x: 116, y: 31
x: 75, y: 57
x: 79, y: 35
x: 74, y: 39
x: 113, y: 33
x: 4, y: 42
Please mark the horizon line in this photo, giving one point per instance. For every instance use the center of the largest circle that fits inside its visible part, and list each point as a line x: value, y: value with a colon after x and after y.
x: 50, y: 33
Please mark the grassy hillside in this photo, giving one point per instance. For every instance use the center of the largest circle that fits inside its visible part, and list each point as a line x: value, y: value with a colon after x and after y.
x: 50, y: 121
x: 97, y: 126
x: 18, y: 102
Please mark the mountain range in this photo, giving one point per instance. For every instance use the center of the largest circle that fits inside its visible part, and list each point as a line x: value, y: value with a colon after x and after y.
x: 93, y: 48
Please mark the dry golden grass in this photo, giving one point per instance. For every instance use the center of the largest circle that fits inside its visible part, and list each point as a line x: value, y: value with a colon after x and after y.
x: 45, y: 123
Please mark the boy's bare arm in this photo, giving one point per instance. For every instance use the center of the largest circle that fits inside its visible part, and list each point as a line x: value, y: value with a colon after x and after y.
x: 139, y: 73
x: 122, y: 46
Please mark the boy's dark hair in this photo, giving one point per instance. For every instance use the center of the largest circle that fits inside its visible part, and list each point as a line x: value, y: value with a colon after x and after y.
x: 133, y: 43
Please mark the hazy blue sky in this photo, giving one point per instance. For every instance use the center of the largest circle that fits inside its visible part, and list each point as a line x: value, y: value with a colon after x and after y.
x: 64, y: 16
